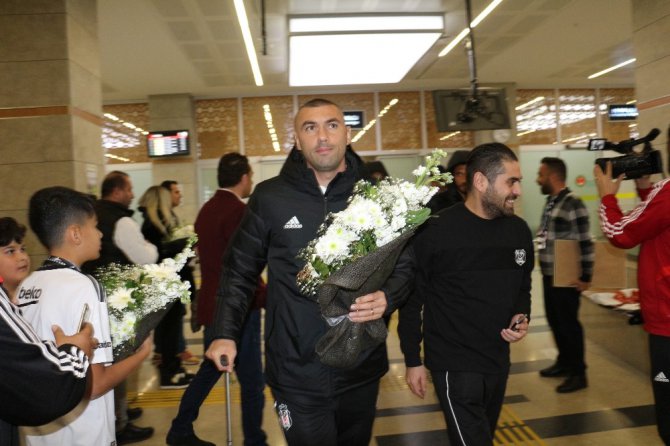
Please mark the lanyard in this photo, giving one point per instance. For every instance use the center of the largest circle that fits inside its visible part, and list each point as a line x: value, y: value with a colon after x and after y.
x: 54, y: 262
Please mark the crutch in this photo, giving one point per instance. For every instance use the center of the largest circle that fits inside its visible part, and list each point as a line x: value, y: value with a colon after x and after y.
x: 229, y: 431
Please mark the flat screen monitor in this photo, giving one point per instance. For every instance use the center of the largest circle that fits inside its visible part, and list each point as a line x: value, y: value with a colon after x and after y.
x: 354, y: 119
x: 168, y: 143
x: 457, y: 110
x: 622, y: 112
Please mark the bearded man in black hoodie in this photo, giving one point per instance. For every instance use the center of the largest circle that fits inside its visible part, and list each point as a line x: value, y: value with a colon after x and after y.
x: 315, y: 403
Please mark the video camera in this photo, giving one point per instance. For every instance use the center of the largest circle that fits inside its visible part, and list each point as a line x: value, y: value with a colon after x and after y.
x: 632, y: 164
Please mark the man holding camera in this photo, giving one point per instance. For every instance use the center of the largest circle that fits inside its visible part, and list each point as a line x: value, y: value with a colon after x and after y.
x: 648, y: 225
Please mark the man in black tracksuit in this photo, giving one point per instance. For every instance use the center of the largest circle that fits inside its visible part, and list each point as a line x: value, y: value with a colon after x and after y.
x: 473, y: 264
x: 316, y: 404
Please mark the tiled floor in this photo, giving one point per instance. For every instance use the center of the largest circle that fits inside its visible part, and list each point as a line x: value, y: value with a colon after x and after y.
x: 616, y: 408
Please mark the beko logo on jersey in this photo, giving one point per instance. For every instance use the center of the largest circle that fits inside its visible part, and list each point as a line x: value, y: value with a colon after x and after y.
x: 31, y: 294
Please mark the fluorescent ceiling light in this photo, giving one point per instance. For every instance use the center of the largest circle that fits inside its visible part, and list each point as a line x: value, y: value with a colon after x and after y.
x: 364, y: 23
x: 531, y: 102
x: 360, y: 58
x: 477, y: 20
x: 615, y: 67
x: 248, y: 41
x: 368, y: 49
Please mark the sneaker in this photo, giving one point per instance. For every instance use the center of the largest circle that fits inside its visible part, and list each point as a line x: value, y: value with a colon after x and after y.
x: 188, y: 375
x: 176, y: 381
x: 189, y: 358
x: 133, y: 434
x: 186, y: 440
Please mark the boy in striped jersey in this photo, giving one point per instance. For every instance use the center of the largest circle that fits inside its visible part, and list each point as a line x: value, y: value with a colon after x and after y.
x: 41, y: 380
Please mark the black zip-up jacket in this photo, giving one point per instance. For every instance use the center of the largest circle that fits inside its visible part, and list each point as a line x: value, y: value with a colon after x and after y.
x: 283, y: 216
x: 108, y: 213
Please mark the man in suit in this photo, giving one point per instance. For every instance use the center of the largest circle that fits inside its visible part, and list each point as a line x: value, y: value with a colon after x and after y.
x: 216, y: 222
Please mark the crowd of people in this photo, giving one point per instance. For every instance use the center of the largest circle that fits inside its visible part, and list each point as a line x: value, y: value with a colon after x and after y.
x: 461, y: 286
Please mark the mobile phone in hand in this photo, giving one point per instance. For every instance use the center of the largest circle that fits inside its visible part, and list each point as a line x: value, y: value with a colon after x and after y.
x: 85, y: 315
x: 521, y: 319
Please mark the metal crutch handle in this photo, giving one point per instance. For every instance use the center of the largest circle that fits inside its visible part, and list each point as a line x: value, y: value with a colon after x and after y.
x: 229, y: 432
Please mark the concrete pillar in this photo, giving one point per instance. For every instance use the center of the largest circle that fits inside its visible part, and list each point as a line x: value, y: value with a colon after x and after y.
x: 177, y: 112
x: 50, y: 101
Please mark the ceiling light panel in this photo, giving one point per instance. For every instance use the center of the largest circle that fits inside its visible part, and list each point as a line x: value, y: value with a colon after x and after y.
x: 367, y: 49
x: 365, y: 23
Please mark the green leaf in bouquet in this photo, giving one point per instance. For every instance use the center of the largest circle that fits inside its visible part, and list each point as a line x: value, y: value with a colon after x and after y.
x: 321, y: 267
x: 416, y: 218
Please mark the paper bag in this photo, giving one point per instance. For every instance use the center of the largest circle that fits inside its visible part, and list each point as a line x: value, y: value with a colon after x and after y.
x: 609, y: 269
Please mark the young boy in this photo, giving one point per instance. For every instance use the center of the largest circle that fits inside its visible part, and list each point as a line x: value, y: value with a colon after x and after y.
x: 65, y: 222
x: 14, y: 261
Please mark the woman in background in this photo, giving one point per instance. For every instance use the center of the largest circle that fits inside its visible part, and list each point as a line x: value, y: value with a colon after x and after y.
x: 155, y: 205
x: 14, y: 261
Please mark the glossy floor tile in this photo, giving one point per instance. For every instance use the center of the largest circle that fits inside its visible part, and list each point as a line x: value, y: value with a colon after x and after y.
x: 616, y: 408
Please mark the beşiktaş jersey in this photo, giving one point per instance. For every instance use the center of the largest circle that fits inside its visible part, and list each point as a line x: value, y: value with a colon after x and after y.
x: 57, y: 296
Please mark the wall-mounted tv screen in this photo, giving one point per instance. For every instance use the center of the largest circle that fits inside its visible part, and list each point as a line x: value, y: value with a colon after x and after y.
x: 354, y: 119
x: 460, y: 110
x: 168, y: 143
x: 622, y: 112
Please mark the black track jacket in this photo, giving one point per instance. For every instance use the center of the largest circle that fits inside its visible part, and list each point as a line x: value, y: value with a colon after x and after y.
x: 283, y: 216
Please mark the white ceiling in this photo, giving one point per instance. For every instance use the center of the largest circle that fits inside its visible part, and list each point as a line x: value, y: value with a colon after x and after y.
x: 195, y: 46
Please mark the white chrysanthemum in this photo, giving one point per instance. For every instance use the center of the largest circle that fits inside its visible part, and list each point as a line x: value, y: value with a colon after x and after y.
x: 120, y: 298
x: 342, y: 232
x: 379, y: 223
x: 331, y: 248
x: 360, y: 213
x: 346, y: 218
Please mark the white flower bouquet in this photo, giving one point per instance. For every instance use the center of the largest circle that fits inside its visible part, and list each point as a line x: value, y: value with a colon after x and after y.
x: 138, y: 296
x: 356, y: 250
x: 183, y: 231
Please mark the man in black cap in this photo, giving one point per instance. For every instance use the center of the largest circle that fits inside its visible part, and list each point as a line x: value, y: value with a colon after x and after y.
x: 454, y: 192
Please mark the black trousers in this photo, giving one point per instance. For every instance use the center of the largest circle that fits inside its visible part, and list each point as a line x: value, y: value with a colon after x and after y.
x: 166, y: 338
x: 562, y: 308
x: 343, y: 420
x: 659, y: 352
x: 471, y: 403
